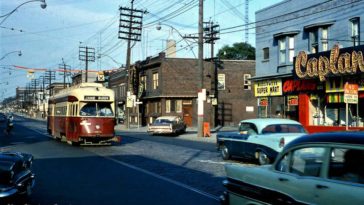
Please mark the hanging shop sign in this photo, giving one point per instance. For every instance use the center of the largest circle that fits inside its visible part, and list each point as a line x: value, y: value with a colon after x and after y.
x: 268, y: 88
x: 351, y: 93
x: 263, y: 102
x: 293, y: 86
x: 337, y: 62
x: 292, y: 100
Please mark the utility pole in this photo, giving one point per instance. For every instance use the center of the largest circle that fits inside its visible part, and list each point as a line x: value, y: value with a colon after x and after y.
x: 212, y: 32
x: 200, y: 103
x: 49, y: 76
x: 86, y: 54
x: 130, y: 29
x: 65, y: 68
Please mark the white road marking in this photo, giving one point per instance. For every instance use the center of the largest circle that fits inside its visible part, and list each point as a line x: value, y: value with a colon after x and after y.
x: 212, y: 162
x: 160, y: 177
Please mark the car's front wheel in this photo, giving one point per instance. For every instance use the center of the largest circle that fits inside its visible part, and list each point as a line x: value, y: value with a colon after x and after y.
x: 225, y: 152
x: 263, y: 158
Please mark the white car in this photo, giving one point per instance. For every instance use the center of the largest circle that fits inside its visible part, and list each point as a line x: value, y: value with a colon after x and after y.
x: 167, y: 125
x: 325, y: 168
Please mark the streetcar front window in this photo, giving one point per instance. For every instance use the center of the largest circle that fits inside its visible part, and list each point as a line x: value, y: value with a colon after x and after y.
x: 97, y: 109
x: 89, y: 109
x: 104, y: 109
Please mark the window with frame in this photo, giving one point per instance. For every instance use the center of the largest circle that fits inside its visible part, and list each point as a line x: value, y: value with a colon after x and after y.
x: 247, y: 82
x: 307, y: 161
x: 313, y: 39
x: 318, y: 39
x: 282, y: 50
x: 155, y: 81
x: 168, y: 106
x: 266, y: 53
x: 324, y: 39
x: 290, y: 48
x: 355, y: 31
x: 143, y: 81
x: 178, y: 106
x: 347, y: 165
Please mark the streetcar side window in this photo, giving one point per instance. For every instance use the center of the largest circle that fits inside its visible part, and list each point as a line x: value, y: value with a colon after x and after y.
x: 89, y: 109
x: 104, y: 109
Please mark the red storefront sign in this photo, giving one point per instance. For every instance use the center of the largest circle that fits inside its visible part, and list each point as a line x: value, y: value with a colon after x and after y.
x: 290, y: 86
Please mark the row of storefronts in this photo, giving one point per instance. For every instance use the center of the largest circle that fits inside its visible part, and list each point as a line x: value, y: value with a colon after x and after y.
x: 314, y: 93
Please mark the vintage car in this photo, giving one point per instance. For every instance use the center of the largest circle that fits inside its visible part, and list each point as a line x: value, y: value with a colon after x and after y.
x: 167, y: 125
x: 260, y: 139
x: 324, y: 168
x: 16, y: 176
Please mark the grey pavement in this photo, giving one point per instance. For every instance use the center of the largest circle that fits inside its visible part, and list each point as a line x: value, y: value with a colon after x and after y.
x: 191, y: 132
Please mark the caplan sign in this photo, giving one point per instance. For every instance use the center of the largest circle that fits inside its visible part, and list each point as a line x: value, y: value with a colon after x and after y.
x: 337, y: 62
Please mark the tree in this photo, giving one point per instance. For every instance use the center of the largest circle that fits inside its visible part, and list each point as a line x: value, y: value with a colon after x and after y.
x: 239, y: 51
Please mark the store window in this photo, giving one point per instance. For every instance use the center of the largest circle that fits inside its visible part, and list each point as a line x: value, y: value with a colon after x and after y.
x: 355, y: 31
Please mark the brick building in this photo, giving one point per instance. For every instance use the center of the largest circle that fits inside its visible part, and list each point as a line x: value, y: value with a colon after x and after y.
x: 168, y: 86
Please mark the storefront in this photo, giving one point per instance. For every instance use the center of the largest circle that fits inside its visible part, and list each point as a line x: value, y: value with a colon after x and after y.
x: 319, y: 82
x: 270, y: 97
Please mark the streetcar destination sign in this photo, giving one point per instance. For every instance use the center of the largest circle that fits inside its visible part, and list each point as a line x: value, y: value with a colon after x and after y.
x: 88, y: 97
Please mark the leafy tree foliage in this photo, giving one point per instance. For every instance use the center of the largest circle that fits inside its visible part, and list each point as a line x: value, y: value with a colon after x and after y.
x: 238, y: 51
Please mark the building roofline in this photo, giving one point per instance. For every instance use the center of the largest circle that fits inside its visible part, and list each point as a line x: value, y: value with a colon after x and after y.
x: 268, y: 77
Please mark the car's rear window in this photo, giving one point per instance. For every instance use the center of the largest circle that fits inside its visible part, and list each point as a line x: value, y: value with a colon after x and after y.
x: 162, y: 121
x: 283, y: 128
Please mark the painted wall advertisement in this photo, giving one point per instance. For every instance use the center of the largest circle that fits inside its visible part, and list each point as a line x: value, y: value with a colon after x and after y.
x: 268, y: 88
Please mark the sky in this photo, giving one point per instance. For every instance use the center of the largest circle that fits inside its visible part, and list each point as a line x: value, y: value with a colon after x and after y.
x: 52, y: 36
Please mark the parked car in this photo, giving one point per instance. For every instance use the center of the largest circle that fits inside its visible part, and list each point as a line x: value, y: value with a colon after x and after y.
x: 325, y: 168
x: 167, y: 125
x: 260, y: 139
x: 16, y: 176
x: 3, y: 118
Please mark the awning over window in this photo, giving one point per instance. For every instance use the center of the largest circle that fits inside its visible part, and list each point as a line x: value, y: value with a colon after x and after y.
x: 319, y: 24
x: 286, y: 33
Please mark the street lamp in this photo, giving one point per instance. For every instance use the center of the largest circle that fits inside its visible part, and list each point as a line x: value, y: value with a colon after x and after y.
x: 159, y: 27
x: 19, y: 54
x: 43, y: 5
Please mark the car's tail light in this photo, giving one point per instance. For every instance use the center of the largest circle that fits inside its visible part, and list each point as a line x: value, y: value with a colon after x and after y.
x: 281, y: 142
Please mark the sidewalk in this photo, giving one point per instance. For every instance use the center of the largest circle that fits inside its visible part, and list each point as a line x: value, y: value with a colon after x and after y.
x: 191, y: 133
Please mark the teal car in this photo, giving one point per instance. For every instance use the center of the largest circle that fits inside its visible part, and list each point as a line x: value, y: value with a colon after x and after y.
x: 324, y: 168
x: 260, y: 139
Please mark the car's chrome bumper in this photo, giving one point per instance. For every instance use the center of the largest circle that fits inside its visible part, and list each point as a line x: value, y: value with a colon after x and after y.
x: 11, y: 190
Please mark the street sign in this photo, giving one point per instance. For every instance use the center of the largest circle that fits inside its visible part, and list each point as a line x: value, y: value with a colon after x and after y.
x: 351, y: 93
x: 130, y: 101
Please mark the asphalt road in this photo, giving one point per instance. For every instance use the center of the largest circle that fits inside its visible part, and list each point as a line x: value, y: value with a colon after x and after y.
x: 137, y: 171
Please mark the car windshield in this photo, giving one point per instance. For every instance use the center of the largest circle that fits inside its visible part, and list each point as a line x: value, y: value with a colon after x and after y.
x: 163, y: 121
x: 283, y: 128
x: 96, y: 109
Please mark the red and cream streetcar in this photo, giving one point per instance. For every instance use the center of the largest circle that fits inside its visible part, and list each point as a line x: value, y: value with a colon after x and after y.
x: 82, y: 114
